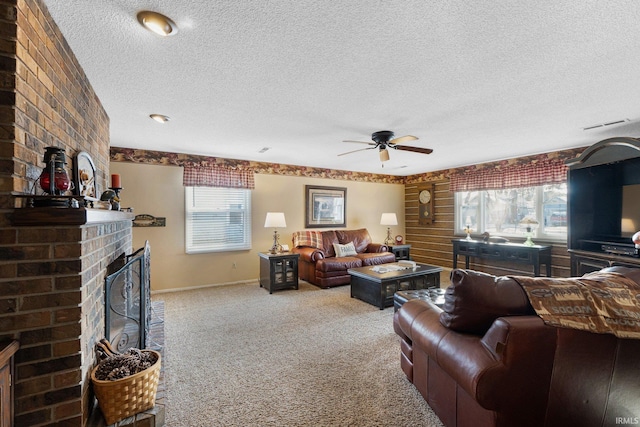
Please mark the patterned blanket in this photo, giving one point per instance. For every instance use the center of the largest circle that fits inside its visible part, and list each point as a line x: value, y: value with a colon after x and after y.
x: 596, y: 302
x: 308, y: 238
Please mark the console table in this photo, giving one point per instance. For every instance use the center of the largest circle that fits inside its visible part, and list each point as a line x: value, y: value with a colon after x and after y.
x: 513, y: 252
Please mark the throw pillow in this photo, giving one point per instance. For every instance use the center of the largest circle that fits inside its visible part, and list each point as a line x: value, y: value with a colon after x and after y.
x: 474, y: 300
x: 344, y: 250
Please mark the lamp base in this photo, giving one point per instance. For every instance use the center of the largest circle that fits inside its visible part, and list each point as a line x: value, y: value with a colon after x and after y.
x: 529, y: 242
x: 529, y: 233
x: 389, y: 240
x: 276, y: 248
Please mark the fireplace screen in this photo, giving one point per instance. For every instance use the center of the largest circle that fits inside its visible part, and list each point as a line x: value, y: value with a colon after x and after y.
x: 128, y: 301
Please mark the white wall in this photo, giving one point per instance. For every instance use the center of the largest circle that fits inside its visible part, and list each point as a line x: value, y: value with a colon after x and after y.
x: 157, y: 190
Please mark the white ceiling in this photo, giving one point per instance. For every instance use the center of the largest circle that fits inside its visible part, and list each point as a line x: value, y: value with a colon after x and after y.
x: 474, y: 80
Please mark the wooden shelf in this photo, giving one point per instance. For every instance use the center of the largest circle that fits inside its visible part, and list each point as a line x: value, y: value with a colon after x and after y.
x: 66, y: 216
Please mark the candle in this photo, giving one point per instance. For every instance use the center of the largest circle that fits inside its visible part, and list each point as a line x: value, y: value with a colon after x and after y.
x: 115, y: 180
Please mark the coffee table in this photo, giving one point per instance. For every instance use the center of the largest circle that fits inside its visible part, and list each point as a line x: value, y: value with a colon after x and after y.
x: 377, y: 288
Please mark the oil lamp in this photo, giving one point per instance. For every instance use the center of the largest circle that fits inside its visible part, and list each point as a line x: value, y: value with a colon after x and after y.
x: 54, y: 179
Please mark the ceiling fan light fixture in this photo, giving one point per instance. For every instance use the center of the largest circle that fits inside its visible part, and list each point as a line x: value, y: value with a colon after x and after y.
x: 160, y: 118
x: 384, y: 155
x: 157, y: 23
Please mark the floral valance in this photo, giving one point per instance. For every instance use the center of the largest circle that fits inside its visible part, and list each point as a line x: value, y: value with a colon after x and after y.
x: 536, y: 172
x: 198, y: 175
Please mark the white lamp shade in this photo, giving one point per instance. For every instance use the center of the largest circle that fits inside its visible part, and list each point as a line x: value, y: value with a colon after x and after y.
x: 275, y: 220
x: 388, y: 219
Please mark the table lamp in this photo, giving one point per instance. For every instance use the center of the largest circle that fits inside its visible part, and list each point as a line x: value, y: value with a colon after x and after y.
x: 388, y: 219
x: 275, y: 220
x: 529, y: 223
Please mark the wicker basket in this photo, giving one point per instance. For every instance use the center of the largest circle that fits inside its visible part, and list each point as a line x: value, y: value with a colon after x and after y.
x: 127, y: 396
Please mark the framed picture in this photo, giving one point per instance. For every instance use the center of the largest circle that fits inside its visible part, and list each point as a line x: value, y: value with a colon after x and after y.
x: 325, y: 206
x: 84, y: 175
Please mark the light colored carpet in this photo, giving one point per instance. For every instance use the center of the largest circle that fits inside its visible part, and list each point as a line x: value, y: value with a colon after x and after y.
x: 239, y: 356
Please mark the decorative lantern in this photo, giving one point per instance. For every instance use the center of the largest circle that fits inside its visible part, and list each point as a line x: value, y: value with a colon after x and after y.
x: 54, y: 179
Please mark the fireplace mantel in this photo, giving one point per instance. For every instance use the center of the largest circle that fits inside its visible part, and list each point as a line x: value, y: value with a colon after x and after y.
x: 66, y: 216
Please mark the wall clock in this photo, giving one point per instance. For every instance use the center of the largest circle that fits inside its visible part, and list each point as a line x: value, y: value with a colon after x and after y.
x: 425, y: 204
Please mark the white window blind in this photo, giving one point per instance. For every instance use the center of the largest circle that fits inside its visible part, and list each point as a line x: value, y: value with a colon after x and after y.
x: 217, y: 219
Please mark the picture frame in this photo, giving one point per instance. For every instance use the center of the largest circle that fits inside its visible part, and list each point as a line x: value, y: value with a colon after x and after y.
x: 325, y: 207
x: 84, y: 176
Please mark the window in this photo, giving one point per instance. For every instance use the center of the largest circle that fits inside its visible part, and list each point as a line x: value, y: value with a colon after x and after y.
x: 217, y: 219
x: 501, y: 212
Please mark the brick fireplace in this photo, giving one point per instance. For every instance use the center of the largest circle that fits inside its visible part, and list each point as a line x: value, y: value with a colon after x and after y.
x: 63, y: 321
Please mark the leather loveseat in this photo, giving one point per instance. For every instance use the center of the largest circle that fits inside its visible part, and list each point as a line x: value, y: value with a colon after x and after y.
x: 318, y: 263
x: 486, y: 360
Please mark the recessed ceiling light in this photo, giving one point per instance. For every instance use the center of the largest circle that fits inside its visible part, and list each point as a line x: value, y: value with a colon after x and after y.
x: 157, y: 22
x: 160, y: 118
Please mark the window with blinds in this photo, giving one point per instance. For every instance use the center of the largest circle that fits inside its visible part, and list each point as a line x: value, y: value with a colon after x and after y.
x: 217, y: 219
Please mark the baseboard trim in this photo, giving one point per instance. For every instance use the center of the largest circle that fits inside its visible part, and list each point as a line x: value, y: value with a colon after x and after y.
x: 191, y: 288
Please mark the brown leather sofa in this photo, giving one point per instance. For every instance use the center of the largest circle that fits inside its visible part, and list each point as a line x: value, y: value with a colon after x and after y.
x: 319, y: 265
x: 486, y: 360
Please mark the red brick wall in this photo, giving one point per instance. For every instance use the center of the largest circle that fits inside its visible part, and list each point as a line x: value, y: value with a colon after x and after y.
x: 45, y: 100
x: 51, y: 278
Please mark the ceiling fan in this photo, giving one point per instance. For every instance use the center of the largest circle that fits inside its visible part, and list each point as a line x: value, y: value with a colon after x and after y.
x: 384, y: 139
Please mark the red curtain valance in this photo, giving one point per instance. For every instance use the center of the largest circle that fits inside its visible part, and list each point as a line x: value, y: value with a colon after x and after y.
x: 534, y: 173
x: 217, y: 176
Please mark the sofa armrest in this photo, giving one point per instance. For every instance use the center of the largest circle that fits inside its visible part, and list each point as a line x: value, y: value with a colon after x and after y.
x: 509, y: 365
x: 377, y: 247
x: 308, y: 254
x: 405, y: 316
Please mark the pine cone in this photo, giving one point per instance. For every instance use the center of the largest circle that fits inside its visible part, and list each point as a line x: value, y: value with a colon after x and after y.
x: 119, y: 373
x: 121, y: 365
x: 108, y: 365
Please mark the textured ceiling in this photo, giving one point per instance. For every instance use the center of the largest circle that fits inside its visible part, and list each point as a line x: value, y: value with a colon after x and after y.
x: 473, y: 80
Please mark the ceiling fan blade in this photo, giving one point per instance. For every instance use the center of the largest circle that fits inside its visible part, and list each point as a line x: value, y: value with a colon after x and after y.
x: 401, y: 139
x: 359, y: 142
x: 355, y: 151
x: 413, y: 149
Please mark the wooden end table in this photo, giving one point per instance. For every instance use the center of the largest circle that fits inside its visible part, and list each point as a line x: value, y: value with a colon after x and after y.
x: 278, y: 271
x: 401, y: 251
